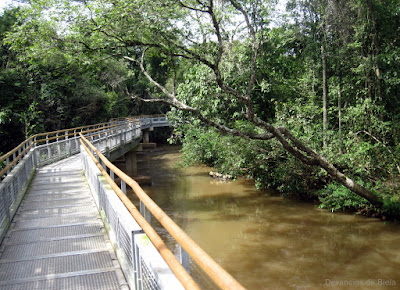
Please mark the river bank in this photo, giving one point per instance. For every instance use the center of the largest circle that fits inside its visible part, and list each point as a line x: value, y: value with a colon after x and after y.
x: 266, y: 241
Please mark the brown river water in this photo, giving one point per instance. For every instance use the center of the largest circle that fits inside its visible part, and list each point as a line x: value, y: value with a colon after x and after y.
x: 267, y: 242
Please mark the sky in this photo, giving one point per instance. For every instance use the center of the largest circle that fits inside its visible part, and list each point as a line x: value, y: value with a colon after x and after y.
x: 5, y: 3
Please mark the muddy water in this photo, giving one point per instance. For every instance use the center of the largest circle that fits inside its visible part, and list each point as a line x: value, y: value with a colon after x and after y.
x: 267, y: 242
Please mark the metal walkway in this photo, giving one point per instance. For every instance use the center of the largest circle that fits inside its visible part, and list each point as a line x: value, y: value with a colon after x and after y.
x: 57, y: 239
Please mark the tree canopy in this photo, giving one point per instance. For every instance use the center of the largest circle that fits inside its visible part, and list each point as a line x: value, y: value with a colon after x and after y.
x: 307, y: 104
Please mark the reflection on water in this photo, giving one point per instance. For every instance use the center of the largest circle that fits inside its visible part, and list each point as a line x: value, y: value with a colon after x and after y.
x: 267, y: 242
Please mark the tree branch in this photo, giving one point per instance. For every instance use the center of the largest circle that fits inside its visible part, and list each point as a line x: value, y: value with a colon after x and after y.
x: 192, y: 8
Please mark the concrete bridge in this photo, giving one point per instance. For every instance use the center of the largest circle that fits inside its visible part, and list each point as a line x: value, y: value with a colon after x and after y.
x: 66, y: 224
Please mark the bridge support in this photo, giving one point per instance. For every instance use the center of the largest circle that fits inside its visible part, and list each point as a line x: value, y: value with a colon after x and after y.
x: 131, y: 169
x: 146, y: 139
x: 131, y: 163
x: 146, y: 135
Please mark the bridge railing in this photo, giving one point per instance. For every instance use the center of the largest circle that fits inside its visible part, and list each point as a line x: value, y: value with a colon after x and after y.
x: 124, y: 220
x: 13, y: 157
x: 142, y: 264
x: 39, y: 150
x: 18, y: 165
x: 108, y: 173
x: 13, y: 187
x: 115, y: 136
x: 147, y: 121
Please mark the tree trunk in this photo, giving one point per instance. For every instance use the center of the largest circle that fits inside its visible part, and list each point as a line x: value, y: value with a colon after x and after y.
x: 340, y: 113
x: 324, y: 95
x: 375, y: 49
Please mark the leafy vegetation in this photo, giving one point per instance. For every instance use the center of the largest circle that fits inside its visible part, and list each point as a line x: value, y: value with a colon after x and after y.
x: 307, y: 103
x: 46, y: 87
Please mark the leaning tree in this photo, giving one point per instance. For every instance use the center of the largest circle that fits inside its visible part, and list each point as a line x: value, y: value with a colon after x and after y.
x: 221, y: 36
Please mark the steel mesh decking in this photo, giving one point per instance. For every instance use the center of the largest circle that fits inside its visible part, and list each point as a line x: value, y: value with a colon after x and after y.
x: 57, y: 240
x: 98, y: 281
x: 29, y: 235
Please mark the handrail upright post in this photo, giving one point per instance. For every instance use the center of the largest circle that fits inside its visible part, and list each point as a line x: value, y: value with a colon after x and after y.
x: 103, y: 164
x: 68, y: 142
x: 145, y: 212
x: 75, y: 142
x: 123, y: 186
x: 48, y: 147
x: 7, y: 204
x: 58, y: 144
x: 7, y: 163
x: 137, y: 261
x: 184, y: 258
x: 135, y: 256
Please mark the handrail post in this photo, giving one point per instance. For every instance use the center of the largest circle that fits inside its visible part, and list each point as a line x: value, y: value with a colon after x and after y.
x: 137, y: 261
x: 58, y: 144
x: 184, y: 258
x: 7, y: 203
x: 123, y: 186
x: 135, y: 256
x: 7, y: 163
x: 145, y: 212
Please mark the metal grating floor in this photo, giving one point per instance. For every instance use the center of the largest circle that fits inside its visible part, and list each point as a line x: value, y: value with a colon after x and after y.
x: 57, y: 239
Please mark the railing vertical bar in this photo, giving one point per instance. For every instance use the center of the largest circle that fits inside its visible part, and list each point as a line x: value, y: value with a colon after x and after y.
x: 135, y: 254
x: 145, y: 212
x: 8, y: 163
x: 184, y: 259
x: 123, y: 186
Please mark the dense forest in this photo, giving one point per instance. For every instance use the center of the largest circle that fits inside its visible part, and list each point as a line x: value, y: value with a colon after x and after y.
x: 306, y: 102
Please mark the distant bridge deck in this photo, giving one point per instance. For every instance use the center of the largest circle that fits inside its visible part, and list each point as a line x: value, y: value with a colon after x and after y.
x: 57, y: 239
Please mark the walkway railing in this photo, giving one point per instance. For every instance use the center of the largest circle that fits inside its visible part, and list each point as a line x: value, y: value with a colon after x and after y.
x: 45, y: 148
x: 127, y: 225
x: 108, y: 170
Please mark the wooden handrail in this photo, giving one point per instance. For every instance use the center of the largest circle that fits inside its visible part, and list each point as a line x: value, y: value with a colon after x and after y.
x: 11, y: 152
x: 77, y: 133
x: 4, y: 170
x: 179, y: 271
x: 138, y: 117
x: 35, y: 140
x: 220, y: 277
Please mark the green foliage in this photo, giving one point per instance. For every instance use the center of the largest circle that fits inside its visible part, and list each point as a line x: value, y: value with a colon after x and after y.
x: 266, y: 163
x: 65, y: 64
x: 32, y: 118
x: 226, y: 153
x: 47, y: 83
x: 336, y: 197
x: 391, y: 207
x: 199, y: 89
